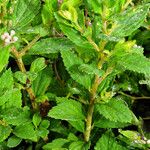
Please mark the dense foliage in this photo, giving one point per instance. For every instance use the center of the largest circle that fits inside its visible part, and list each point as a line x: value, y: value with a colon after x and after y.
x: 74, y: 74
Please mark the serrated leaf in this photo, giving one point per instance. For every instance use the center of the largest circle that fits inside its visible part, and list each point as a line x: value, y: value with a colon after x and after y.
x: 38, y: 65
x: 43, y: 80
x: 11, y: 98
x: 89, y: 69
x: 72, y: 62
x: 115, y: 110
x: 20, y: 76
x: 108, y: 142
x: 26, y: 131
x: 57, y: 143
x: 130, y: 20
x: 4, y: 56
x: 106, y: 123
x: 135, y: 62
x: 78, y: 125
x: 75, y: 37
x: 16, y: 116
x: 13, y: 141
x: 50, y: 45
x: 4, y: 132
x: 6, y: 81
x: 68, y: 110
x: 24, y: 12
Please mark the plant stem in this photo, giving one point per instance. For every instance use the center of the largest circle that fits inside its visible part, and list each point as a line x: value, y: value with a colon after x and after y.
x: 22, y: 69
x: 91, y: 110
x: 25, y: 49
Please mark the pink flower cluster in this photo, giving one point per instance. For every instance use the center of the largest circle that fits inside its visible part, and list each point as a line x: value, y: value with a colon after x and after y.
x: 9, y: 38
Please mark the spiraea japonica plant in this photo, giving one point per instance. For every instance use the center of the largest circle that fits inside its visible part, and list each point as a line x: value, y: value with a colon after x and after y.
x: 71, y: 72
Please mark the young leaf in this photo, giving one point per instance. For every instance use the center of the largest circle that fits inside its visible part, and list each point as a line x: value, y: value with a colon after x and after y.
x: 4, y: 132
x: 4, y: 56
x: 130, y: 20
x: 72, y: 62
x: 50, y: 45
x: 36, y: 120
x: 107, y: 142
x: 24, y: 12
x: 57, y: 143
x: 13, y: 141
x: 68, y: 110
x: 38, y: 65
x: 26, y: 131
x: 115, y: 110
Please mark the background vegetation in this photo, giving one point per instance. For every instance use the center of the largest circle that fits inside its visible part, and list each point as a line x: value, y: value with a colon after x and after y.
x: 74, y: 74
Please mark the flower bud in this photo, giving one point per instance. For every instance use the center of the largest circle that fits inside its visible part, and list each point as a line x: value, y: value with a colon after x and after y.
x: 12, y: 32
x: 15, y: 38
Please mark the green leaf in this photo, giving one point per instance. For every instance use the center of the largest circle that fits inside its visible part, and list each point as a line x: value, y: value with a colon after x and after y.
x: 6, y: 81
x: 48, y: 10
x: 43, y: 80
x: 57, y: 143
x: 20, y: 76
x: 106, y: 123
x: 68, y: 110
x: 132, y: 135
x: 4, y: 132
x: 91, y: 69
x: 78, y: 125
x: 13, y: 141
x: 24, y: 12
x: 38, y: 65
x: 44, y: 124
x: 26, y: 131
x: 11, y: 98
x: 42, y: 132
x: 115, y: 110
x: 50, y: 45
x: 72, y: 62
x: 16, y: 116
x: 130, y: 20
x: 36, y: 119
x: 135, y: 62
x: 108, y: 142
x: 75, y: 36
x: 78, y: 145
x: 4, y: 56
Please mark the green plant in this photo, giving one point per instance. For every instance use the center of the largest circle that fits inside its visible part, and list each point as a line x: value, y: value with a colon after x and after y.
x: 70, y: 71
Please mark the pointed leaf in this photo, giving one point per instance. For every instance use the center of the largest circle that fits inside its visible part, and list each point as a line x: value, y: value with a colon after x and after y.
x: 68, y: 110
x: 38, y: 65
x: 115, y: 110
x: 13, y: 141
x: 25, y: 131
x: 130, y: 20
x: 72, y: 62
x: 24, y: 12
x: 51, y: 45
